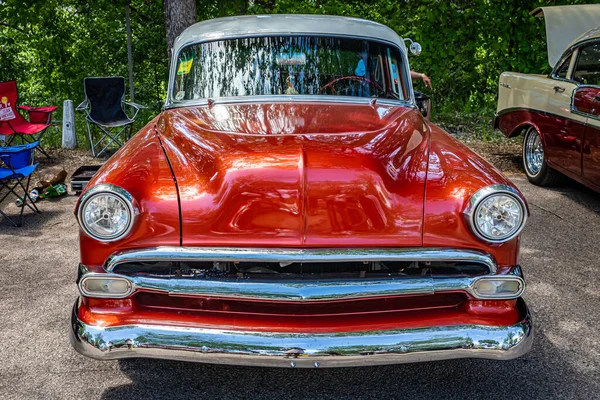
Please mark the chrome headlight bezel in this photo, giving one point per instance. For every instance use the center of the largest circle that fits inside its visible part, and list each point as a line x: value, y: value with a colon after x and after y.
x: 115, y: 191
x: 485, y: 193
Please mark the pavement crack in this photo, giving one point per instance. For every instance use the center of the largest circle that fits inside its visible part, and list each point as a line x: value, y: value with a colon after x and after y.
x: 548, y: 211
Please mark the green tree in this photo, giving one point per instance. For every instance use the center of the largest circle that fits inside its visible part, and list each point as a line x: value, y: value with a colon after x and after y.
x: 49, y: 46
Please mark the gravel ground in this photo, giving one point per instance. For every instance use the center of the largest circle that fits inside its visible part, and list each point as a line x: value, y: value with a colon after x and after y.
x: 560, y: 258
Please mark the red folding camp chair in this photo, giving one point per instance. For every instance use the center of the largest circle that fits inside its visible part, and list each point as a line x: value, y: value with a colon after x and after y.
x: 14, y: 125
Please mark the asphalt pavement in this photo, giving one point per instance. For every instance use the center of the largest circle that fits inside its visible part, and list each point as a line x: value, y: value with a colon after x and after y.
x: 560, y: 257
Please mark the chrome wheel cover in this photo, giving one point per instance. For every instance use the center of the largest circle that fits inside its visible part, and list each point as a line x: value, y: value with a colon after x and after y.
x: 533, y: 153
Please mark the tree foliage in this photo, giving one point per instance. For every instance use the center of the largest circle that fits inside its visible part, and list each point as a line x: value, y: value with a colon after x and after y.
x: 49, y: 46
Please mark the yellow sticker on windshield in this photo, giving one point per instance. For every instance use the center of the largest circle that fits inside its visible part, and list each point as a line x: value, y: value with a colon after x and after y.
x: 185, y: 66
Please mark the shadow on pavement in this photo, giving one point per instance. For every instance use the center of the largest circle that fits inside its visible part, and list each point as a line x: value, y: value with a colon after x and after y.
x: 33, y: 224
x: 580, y: 194
x: 543, y: 373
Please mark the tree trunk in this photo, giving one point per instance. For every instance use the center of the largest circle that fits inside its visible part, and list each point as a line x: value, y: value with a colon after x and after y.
x: 179, y: 14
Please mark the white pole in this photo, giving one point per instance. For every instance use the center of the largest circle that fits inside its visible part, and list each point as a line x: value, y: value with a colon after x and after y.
x: 69, y: 139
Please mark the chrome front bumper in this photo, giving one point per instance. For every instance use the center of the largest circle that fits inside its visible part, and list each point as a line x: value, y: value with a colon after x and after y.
x: 303, y: 350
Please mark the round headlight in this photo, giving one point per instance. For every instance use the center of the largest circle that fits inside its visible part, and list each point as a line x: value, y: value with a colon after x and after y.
x: 106, y: 212
x: 497, y: 213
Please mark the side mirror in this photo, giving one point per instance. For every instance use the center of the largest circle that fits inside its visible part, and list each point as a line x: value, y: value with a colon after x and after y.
x: 415, y: 48
x: 423, y: 104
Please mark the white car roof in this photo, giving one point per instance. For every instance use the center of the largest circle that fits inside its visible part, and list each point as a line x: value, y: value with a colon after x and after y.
x: 273, y: 25
x: 566, y: 26
x: 591, y: 34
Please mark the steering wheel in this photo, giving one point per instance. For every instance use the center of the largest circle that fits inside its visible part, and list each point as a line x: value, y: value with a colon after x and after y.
x: 351, y: 78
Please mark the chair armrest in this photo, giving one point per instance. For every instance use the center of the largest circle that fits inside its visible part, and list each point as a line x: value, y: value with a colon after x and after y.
x: 83, y: 106
x: 42, y: 109
x: 137, y: 107
x: 7, y: 150
x: 39, y: 115
x: 134, y: 105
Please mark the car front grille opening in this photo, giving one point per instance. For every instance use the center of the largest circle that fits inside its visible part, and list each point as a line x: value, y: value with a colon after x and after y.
x: 270, y: 271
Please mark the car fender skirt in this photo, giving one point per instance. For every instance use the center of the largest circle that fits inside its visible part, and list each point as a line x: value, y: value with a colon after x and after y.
x: 303, y: 350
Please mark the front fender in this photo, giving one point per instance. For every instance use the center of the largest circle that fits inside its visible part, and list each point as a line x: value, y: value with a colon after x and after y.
x: 141, y: 168
x: 454, y: 174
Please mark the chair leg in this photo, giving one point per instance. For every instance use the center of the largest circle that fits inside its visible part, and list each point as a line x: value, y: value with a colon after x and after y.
x: 9, y: 219
x: 24, y: 201
x: 4, y: 184
x: 10, y: 190
x: 26, y: 196
x: 11, y: 138
x: 100, y: 141
x: 39, y: 147
x: 26, y: 139
x: 31, y: 203
x: 107, y: 138
x: 87, y: 124
x: 113, y: 139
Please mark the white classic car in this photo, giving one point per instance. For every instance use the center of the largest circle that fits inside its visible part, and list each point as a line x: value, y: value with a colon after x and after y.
x: 559, y: 114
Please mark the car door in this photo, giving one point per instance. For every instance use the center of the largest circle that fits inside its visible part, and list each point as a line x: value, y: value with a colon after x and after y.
x: 563, y: 130
x: 586, y: 102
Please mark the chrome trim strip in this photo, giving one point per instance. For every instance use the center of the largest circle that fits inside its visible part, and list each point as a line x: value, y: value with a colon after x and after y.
x: 289, y: 255
x: 304, y: 291
x: 303, y: 350
x: 291, y: 99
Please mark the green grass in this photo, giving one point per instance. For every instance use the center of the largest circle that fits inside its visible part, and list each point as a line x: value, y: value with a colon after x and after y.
x: 473, y: 125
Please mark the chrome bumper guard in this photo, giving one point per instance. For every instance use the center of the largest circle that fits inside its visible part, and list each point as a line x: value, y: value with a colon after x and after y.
x: 303, y: 350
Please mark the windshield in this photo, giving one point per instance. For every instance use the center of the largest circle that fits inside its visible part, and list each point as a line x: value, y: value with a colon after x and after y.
x: 290, y: 65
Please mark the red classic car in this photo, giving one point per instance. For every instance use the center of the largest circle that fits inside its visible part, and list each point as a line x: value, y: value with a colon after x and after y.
x: 292, y: 207
x: 559, y: 114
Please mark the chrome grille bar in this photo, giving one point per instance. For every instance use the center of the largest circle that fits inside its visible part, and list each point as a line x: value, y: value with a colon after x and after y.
x: 300, y: 291
x: 228, y: 254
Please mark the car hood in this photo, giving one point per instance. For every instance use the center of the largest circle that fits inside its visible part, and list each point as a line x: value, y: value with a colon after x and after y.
x: 316, y: 174
x: 565, y: 24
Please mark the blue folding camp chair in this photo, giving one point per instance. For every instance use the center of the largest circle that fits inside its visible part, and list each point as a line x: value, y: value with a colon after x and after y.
x: 16, y: 166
